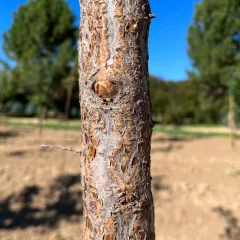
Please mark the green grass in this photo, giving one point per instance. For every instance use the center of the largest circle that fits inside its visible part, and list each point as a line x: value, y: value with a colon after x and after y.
x: 177, y: 131
x: 75, y: 125
x: 61, y: 125
x: 198, y: 126
x: 234, y: 170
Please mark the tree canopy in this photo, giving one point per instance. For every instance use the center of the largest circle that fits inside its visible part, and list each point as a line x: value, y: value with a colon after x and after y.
x: 43, y: 43
x: 214, y: 47
x: 39, y: 28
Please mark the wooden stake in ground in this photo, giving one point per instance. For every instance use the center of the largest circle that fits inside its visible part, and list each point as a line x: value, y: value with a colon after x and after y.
x: 116, y: 119
x: 231, y: 119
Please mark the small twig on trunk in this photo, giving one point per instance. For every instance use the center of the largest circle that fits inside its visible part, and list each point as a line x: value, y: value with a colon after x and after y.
x: 61, y: 148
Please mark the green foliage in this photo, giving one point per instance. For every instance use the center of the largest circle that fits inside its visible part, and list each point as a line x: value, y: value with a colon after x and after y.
x: 43, y: 42
x: 214, y: 47
x: 38, y: 30
x: 175, y: 102
x: 5, y: 79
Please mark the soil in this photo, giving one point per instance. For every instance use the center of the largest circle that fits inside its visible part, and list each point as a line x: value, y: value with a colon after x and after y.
x: 195, y: 196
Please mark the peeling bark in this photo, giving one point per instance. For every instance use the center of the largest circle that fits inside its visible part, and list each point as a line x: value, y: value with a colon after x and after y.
x: 116, y: 119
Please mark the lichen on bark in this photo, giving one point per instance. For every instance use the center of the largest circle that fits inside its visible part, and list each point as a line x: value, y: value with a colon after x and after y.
x: 116, y: 119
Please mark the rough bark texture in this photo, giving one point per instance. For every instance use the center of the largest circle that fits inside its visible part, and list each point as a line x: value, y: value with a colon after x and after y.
x: 116, y: 119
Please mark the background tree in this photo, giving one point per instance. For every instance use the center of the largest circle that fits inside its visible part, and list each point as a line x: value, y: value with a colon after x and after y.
x: 5, y: 83
x: 12, y: 90
x: 175, y: 102
x: 116, y: 120
x: 214, y: 47
x: 42, y: 41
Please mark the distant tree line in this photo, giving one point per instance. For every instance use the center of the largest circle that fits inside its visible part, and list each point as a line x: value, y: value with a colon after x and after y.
x: 185, y: 102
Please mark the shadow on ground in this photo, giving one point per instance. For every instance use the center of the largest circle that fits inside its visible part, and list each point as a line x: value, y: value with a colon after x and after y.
x: 165, y: 149
x: 46, y: 207
x: 169, y: 143
x: 17, y: 153
x: 158, y: 185
x: 232, y: 230
x: 36, y: 206
x: 8, y: 134
x: 173, y: 139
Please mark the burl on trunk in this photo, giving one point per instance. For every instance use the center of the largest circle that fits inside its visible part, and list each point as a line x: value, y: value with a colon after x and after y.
x: 116, y: 119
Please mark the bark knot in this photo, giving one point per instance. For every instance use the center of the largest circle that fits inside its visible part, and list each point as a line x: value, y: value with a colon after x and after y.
x: 106, y: 89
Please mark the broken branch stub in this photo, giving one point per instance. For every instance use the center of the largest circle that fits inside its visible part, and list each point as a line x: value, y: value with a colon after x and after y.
x: 106, y: 89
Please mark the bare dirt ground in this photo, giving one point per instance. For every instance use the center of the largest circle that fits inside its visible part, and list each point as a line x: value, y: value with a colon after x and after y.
x: 40, y: 192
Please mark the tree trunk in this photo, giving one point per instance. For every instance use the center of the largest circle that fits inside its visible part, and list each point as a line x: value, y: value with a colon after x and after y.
x: 69, y: 94
x: 231, y: 118
x: 116, y: 120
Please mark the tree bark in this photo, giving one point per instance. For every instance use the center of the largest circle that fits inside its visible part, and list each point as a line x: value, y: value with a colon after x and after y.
x: 116, y: 119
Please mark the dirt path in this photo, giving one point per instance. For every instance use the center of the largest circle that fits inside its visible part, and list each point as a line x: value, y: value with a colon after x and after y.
x: 195, y: 198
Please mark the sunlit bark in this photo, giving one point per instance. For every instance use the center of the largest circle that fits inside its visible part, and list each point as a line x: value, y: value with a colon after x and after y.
x: 116, y: 119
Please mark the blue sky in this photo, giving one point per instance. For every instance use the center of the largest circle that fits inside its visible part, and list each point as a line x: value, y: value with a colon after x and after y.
x: 167, y: 40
